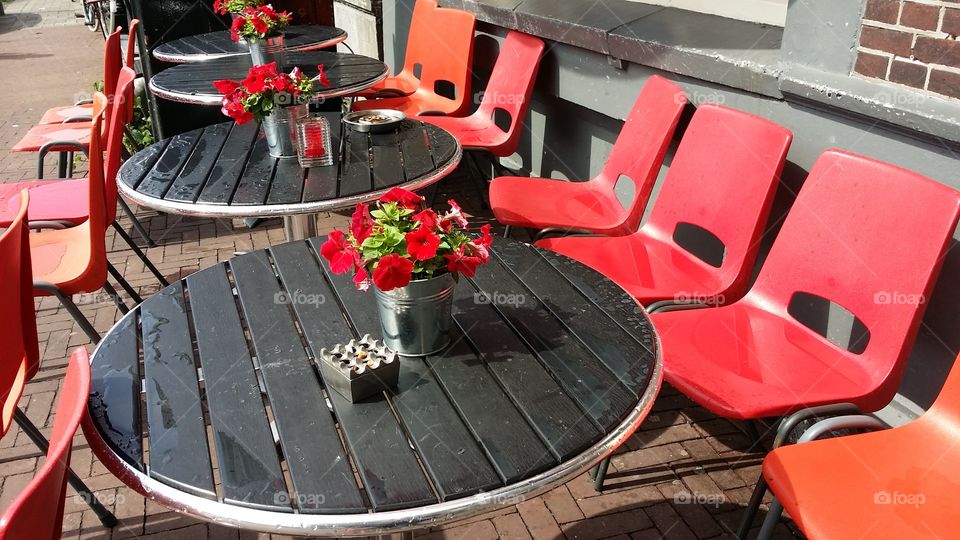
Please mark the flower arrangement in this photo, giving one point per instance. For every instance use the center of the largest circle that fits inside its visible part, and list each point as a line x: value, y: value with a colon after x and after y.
x: 264, y: 88
x: 401, y: 240
x: 224, y: 7
x: 259, y: 22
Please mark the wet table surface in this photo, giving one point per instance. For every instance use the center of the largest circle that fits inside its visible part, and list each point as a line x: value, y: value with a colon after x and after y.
x: 547, y: 358
x: 226, y: 170
x: 212, y: 45
x: 193, y: 82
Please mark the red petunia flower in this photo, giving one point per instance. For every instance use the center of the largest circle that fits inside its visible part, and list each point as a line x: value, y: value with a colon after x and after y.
x: 422, y: 244
x: 260, y: 26
x: 218, y: 7
x: 403, y: 198
x: 461, y: 262
x: 225, y: 86
x: 341, y: 255
x: 393, y: 271
x: 322, y: 77
x: 233, y: 107
x: 428, y: 218
x: 235, y: 28
x: 361, y: 280
x: 361, y: 224
x: 259, y: 78
x: 455, y: 216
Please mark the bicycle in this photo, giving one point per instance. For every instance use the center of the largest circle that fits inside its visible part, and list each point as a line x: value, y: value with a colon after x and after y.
x: 97, y: 15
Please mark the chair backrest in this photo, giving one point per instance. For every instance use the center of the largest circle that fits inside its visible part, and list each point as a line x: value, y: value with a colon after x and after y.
x: 97, y: 217
x: 37, y: 511
x: 112, y: 62
x: 441, y: 43
x: 642, y: 144
x: 719, y: 190
x: 132, y: 42
x: 19, y: 349
x: 122, y: 107
x: 870, y: 237
x: 511, y: 84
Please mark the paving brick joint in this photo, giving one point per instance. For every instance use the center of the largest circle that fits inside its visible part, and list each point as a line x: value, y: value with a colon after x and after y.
x: 684, y: 474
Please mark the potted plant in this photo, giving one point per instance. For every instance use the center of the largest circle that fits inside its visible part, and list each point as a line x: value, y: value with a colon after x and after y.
x: 261, y: 27
x: 234, y: 7
x: 273, y: 98
x: 412, y: 256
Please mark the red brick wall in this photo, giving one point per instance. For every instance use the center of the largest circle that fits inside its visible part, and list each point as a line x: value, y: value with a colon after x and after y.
x: 912, y: 42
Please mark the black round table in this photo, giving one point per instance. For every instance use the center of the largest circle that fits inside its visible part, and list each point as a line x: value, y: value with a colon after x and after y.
x: 551, y: 367
x: 193, y: 83
x: 225, y: 170
x: 212, y: 45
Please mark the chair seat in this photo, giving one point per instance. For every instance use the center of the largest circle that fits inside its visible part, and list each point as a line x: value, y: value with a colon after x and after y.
x: 741, y: 361
x: 50, y: 200
x: 474, y: 133
x: 647, y: 268
x: 57, y: 115
x: 38, y: 136
x: 401, y: 83
x: 62, y: 257
x: 416, y: 103
x: 878, y: 485
x: 573, y: 205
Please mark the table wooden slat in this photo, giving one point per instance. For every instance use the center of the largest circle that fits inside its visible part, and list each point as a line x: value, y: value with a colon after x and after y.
x: 179, y: 454
x: 355, y: 168
x: 625, y: 358
x: 387, y: 167
x: 196, y: 170
x: 249, y: 465
x: 594, y: 387
x: 322, y: 478
x: 287, y: 185
x: 556, y: 418
x: 255, y: 182
x: 230, y: 164
x: 414, y: 145
x: 513, y: 446
x: 171, y: 162
x: 321, y: 182
x: 135, y: 170
x: 115, y: 392
x: 441, y: 146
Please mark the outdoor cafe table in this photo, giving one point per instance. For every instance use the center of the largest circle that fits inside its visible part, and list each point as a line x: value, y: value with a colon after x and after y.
x: 193, y: 83
x: 225, y: 170
x: 203, y: 47
x: 550, y: 368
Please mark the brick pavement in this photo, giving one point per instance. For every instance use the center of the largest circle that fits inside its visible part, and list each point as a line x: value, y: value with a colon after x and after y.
x: 685, y: 474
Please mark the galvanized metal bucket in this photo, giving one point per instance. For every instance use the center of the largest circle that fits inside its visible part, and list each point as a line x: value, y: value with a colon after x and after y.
x: 416, y: 319
x: 280, y: 129
x: 266, y: 50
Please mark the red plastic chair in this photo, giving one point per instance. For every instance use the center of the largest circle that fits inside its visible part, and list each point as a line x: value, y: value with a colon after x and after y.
x: 37, y: 512
x: 441, y: 44
x: 897, y: 483
x: 593, y: 206
x: 753, y: 359
x: 721, y: 181
x: 18, y: 341
x: 66, y: 201
x: 508, y: 91
x: 112, y: 62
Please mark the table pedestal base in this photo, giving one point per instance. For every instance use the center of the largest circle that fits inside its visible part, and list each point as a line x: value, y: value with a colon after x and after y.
x: 300, y: 226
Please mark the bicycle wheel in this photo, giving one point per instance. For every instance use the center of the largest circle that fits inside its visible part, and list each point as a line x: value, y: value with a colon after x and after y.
x: 106, y: 17
x: 91, y: 15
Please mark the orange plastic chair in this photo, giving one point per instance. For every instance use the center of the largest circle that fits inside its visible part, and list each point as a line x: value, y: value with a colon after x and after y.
x: 74, y: 260
x: 440, y: 48
x: 18, y: 341
x: 896, y: 483
x: 593, y: 206
x: 37, y: 512
x: 112, y: 62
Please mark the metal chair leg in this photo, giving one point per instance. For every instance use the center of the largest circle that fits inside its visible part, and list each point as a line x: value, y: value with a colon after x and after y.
x: 770, y: 522
x: 62, y: 165
x: 601, y: 474
x: 141, y: 230
x: 478, y: 180
x: 124, y: 284
x: 72, y: 309
x: 105, y: 516
x: 750, y: 512
x: 121, y: 305
x: 140, y: 254
x: 506, y: 231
